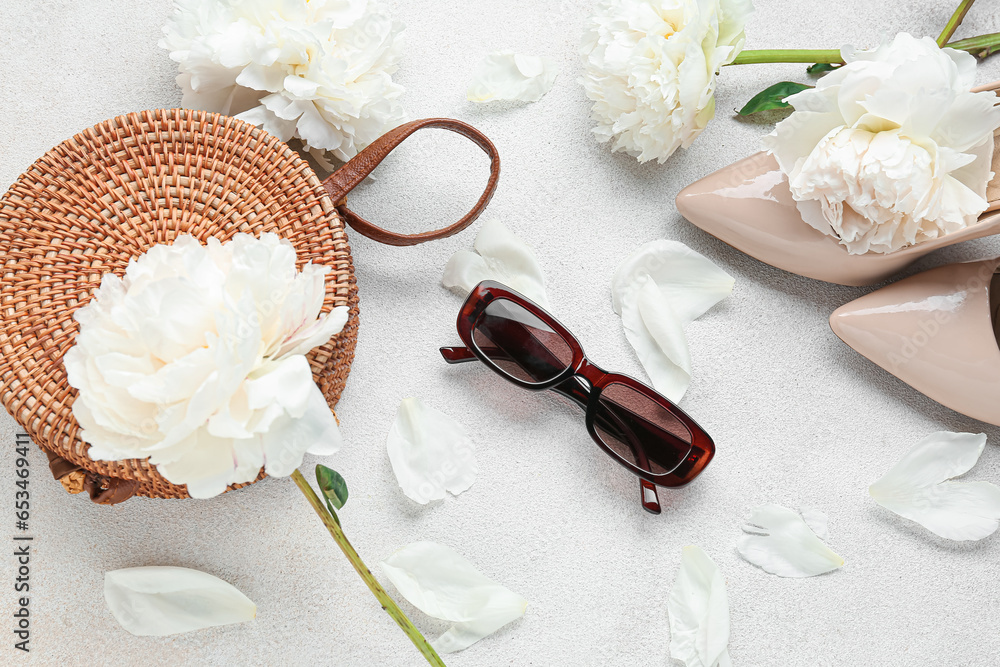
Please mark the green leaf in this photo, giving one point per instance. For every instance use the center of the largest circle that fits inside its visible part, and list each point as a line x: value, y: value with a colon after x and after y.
x: 332, y: 486
x: 772, y: 98
x: 822, y: 68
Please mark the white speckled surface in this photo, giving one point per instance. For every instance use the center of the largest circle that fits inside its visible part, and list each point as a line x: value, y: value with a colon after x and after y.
x: 798, y: 417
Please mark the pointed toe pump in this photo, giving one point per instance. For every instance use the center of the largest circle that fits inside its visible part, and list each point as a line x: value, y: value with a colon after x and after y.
x: 937, y: 331
x: 749, y: 206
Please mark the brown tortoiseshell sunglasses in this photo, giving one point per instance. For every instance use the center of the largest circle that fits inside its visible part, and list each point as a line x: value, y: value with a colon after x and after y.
x: 635, y: 425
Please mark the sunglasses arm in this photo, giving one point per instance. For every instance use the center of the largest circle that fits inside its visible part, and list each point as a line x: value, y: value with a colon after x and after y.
x: 648, y: 497
x: 457, y: 355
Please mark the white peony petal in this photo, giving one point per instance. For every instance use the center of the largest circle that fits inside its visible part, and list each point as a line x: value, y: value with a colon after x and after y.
x: 918, y: 488
x: 690, y: 281
x: 325, y: 164
x: 699, y: 612
x: 441, y: 583
x: 249, y: 456
x: 464, y: 271
x: 502, y: 257
x: 506, y: 75
x: 288, y: 439
x: 330, y: 438
x: 817, y: 522
x: 430, y: 452
x: 220, y: 101
x: 206, y: 464
x: 269, y: 122
x: 657, y: 336
x: 285, y: 384
x: 259, y: 77
x: 316, y: 131
x: 172, y: 382
x: 658, y: 290
x: 780, y: 541
x: 299, y: 86
x: 159, y: 601
x: 306, y: 338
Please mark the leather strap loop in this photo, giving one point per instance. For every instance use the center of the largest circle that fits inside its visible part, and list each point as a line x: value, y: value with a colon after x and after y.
x: 342, y: 181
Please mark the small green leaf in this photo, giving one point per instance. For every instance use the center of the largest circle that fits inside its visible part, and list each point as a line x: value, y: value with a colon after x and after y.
x: 332, y: 486
x: 823, y: 68
x: 772, y: 98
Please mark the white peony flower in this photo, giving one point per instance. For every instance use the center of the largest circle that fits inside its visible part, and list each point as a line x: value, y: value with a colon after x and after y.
x: 505, y: 75
x: 891, y: 149
x: 196, y: 360
x: 319, y: 70
x: 650, y: 68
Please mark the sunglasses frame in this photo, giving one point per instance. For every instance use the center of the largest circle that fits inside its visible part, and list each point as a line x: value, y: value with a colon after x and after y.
x: 701, y: 447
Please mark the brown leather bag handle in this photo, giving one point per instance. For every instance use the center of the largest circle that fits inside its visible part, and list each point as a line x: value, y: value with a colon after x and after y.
x: 347, y: 177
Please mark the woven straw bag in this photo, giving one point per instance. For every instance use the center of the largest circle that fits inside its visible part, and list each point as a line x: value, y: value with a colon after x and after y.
x: 106, y: 195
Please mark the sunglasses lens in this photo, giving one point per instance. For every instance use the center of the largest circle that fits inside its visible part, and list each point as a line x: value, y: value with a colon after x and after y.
x: 640, y: 431
x: 520, y: 344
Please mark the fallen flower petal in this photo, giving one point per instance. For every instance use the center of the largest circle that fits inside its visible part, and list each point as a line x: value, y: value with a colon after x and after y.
x: 657, y: 291
x: 699, y: 612
x: 657, y: 336
x: 918, y: 488
x: 817, y: 521
x: 689, y: 280
x: 502, y: 257
x: 159, y: 601
x: 430, y: 452
x: 441, y: 583
x: 506, y: 75
x: 780, y: 541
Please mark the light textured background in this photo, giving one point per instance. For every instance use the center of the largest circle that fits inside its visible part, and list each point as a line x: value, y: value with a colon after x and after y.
x: 798, y: 417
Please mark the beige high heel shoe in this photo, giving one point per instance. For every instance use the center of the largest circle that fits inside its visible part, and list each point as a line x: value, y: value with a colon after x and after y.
x: 749, y: 206
x: 938, y: 332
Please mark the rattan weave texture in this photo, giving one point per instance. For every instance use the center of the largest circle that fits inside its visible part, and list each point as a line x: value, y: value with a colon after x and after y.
x: 106, y: 195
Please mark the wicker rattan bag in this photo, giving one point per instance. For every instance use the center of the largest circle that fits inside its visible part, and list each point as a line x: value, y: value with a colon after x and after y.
x: 106, y: 195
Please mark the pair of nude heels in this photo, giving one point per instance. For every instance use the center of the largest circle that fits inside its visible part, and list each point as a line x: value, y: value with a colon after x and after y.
x: 938, y: 331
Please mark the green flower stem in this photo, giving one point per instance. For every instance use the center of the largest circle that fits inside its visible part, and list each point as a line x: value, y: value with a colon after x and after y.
x: 954, y: 22
x: 387, y: 602
x: 980, y: 46
x: 756, y: 56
